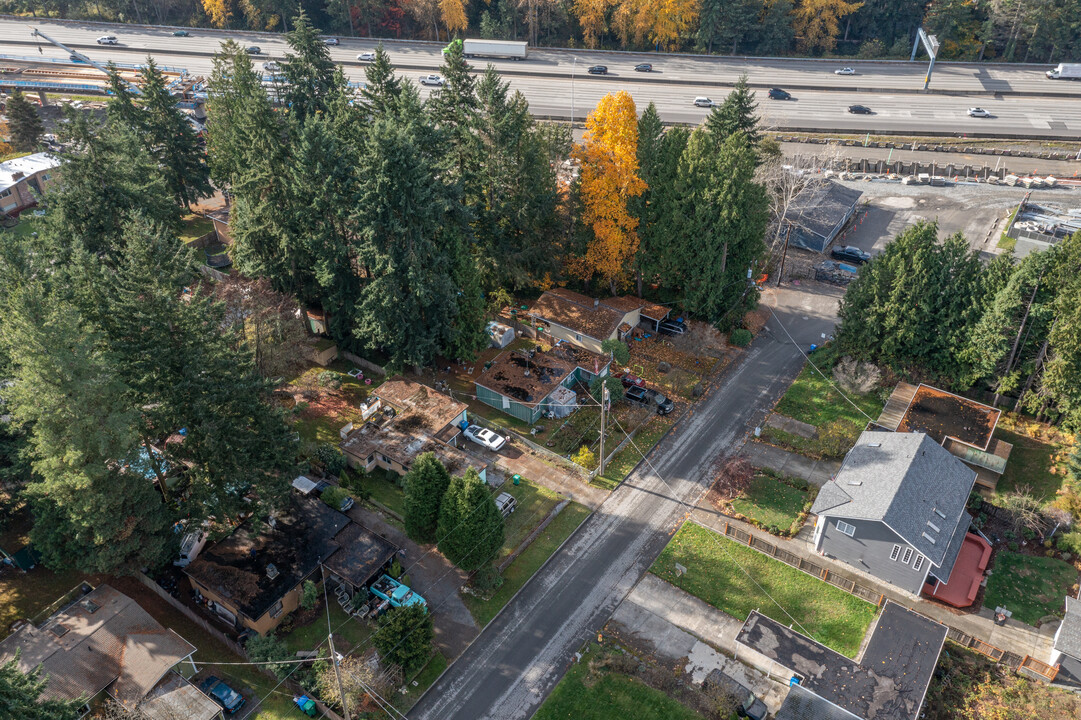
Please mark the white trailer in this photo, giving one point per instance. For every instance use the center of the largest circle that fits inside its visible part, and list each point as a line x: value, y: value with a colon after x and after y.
x: 496, y: 49
x: 1064, y: 71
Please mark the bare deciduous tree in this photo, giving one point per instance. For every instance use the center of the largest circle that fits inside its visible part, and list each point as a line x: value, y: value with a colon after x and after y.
x: 856, y: 377
x: 271, y: 322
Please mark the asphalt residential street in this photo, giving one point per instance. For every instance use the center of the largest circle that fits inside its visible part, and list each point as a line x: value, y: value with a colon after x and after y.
x: 512, y: 666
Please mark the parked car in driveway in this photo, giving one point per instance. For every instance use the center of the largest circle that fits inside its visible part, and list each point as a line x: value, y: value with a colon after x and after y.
x: 703, y: 102
x: 598, y: 70
x: 643, y: 67
x: 506, y: 503
x: 844, y: 71
x: 779, y: 94
x: 485, y: 437
x: 367, y: 56
x: 436, y: 80
x: 649, y: 398
x: 629, y: 379
x: 860, y: 110
x: 850, y: 253
x: 978, y: 112
x: 229, y: 699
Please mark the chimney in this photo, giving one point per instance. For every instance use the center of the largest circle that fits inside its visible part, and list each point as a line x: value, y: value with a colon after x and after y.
x: 596, y: 302
x: 19, y: 175
x: 271, y: 571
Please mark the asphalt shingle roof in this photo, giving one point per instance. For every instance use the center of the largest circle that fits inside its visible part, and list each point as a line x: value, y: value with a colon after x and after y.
x: 1068, y: 637
x: 911, y: 484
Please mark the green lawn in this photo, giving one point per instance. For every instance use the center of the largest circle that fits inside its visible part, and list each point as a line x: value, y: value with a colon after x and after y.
x: 813, y: 400
x: 771, y: 502
x: 605, y: 695
x: 348, y: 629
x: 193, y: 227
x: 624, y: 461
x: 382, y: 486
x: 526, y: 564
x: 715, y: 573
x: 323, y: 428
x: 428, y: 675
x: 1031, y: 463
x: 1029, y: 586
x: 25, y: 227
x: 534, y: 504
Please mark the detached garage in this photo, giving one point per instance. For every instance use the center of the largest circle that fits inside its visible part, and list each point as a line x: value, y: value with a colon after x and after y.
x: 819, y: 213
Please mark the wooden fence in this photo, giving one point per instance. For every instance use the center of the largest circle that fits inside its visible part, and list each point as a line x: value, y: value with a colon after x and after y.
x: 1015, y: 662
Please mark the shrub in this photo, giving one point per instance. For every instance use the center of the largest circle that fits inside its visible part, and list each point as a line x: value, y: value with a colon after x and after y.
x: 329, y: 379
x: 486, y: 580
x: 333, y: 496
x: 331, y: 457
x: 740, y: 337
x: 836, y: 437
x: 269, y: 649
x: 733, y: 477
x: 618, y: 350
x: 615, y: 388
x: 1069, y: 542
x: 309, y: 595
x: 585, y: 457
x: 404, y: 637
x: 1013, y: 546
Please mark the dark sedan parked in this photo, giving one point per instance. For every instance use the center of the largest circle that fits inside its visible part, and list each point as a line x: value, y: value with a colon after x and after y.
x: 229, y: 699
x: 643, y: 67
x: 598, y: 70
x: 851, y: 254
x: 647, y: 397
x: 860, y: 110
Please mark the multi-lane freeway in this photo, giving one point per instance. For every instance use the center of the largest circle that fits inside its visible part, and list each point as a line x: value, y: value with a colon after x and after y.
x: 1023, y: 103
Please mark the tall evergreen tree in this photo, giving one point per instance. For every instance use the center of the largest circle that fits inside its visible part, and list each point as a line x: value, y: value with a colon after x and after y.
x: 311, y: 76
x: 240, y: 120
x: 24, y: 123
x: 775, y: 34
x: 735, y: 114
x: 382, y: 87
x: 21, y: 695
x: 453, y: 107
x: 470, y: 525
x: 659, y: 256
x: 425, y: 485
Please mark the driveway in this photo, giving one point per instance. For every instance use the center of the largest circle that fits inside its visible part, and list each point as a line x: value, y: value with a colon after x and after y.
x: 513, y: 665
x: 434, y: 577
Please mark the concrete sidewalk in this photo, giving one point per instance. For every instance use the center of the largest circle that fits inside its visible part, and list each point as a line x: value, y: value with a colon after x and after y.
x: 1015, y: 637
x: 815, y: 472
x: 674, y: 625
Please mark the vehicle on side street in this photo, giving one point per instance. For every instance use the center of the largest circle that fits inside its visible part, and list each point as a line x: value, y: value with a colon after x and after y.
x: 598, y: 70
x: 850, y: 253
x: 368, y: 56
x: 229, y: 699
x: 844, y: 71
x: 643, y: 67
x: 254, y: 50
x: 395, y: 593
x: 860, y: 110
x: 435, y: 80
x: 978, y: 112
x: 331, y: 41
x: 779, y: 94
x: 671, y: 327
x: 506, y: 503
x: 1065, y: 71
x: 485, y: 437
x: 703, y: 102
x: 107, y: 40
x: 506, y: 49
x: 181, y: 33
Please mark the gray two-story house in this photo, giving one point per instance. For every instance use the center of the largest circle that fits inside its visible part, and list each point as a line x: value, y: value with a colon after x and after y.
x: 896, y: 509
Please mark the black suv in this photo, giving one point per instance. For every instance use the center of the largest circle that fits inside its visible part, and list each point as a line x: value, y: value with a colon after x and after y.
x: 851, y: 254
x: 779, y: 94
x: 598, y: 70
x: 645, y: 396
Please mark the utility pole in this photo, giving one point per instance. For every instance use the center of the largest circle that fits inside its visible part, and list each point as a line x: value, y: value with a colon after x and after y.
x: 780, y: 273
x: 604, y: 421
x: 333, y: 653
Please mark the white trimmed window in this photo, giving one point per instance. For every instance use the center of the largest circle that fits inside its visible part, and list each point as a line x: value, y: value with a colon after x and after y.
x: 849, y: 530
x: 918, y: 563
x: 896, y: 552
x: 907, y: 556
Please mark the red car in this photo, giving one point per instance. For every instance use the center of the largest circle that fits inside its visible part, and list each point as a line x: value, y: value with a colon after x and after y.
x: 629, y: 379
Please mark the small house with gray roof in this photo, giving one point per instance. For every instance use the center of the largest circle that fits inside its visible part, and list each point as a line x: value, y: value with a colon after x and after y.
x: 896, y: 509
x: 1066, y: 649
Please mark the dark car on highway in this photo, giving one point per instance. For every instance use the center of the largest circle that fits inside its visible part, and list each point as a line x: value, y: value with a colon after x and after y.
x: 779, y: 94
x: 850, y: 254
x: 598, y: 70
x: 860, y: 110
x: 181, y: 33
x: 643, y: 67
x: 254, y: 50
x: 222, y: 694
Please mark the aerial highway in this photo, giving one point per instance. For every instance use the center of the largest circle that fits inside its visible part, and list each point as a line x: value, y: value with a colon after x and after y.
x: 1021, y: 101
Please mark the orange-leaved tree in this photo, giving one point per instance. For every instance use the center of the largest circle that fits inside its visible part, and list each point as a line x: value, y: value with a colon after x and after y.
x: 454, y: 19
x: 660, y: 22
x: 817, y: 22
x: 608, y: 157
x: 591, y: 16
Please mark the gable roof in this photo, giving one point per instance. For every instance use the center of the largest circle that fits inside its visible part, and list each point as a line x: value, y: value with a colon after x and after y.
x: 577, y: 312
x: 1068, y: 635
x: 435, y: 409
x: 104, y: 639
x: 13, y: 172
x: 174, y: 697
x: 820, y: 207
x: 298, y: 540
x: 888, y: 683
x: 911, y: 484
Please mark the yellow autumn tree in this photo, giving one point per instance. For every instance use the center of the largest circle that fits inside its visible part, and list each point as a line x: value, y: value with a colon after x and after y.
x: 453, y: 13
x: 608, y: 158
x: 817, y: 22
x: 661, y: 22
x: 220, y: 12
x: 591, y: 16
